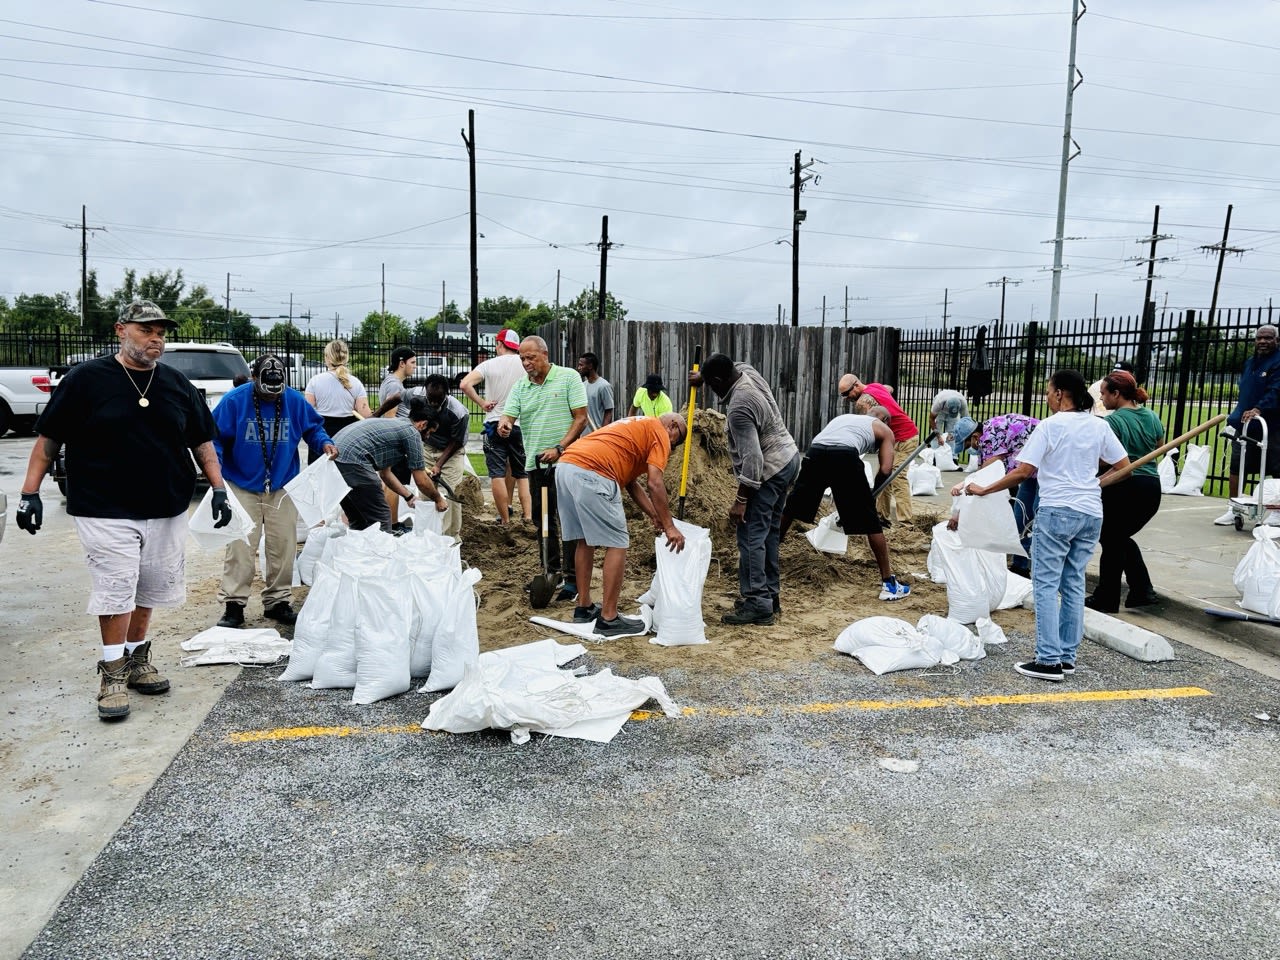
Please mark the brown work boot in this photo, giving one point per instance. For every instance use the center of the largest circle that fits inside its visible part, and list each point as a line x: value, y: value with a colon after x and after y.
x: 143, y: 677
x: 113, y: 694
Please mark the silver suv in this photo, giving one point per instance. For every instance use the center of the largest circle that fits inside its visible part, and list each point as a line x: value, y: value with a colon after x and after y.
x: 211, y: 367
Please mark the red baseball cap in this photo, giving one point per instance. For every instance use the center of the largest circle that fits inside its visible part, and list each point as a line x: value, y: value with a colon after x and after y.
x: 509, y: 339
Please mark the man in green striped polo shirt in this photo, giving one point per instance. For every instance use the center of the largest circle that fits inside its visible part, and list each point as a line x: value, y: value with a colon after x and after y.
x: 551, y: 405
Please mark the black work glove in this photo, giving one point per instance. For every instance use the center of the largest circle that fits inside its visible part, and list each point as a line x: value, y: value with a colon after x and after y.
x: 221, y: 509
x: 30, y: 513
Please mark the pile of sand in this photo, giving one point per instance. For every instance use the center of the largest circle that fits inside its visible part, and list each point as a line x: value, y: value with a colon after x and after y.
x: 821, y: 593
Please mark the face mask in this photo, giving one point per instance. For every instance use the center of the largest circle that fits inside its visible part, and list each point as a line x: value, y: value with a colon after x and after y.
x: 270, y: 379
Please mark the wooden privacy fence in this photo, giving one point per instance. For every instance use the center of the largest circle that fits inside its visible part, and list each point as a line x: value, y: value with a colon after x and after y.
x: 802, y: 364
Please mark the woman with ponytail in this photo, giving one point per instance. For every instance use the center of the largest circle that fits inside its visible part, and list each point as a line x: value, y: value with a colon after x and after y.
x: 1128, y: 505
x: 1065, y: 450
x: 337, y: 394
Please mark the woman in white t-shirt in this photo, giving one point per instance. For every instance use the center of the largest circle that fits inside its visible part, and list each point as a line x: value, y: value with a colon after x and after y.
x: 1066, y: 449
x: 337, y: 394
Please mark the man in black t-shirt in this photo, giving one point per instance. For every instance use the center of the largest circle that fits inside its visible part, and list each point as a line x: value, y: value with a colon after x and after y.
x: 130, y: 426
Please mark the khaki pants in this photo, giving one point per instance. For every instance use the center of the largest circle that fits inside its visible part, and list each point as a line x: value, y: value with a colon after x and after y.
x: 453, y: 473
x: 275, y: 516
x: 900, y: 489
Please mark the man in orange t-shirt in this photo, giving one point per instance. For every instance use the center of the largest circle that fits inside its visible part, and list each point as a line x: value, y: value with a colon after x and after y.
x: 590, y: 476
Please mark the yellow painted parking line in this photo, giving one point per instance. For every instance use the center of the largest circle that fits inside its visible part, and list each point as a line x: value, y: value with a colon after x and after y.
x: 845, y: 706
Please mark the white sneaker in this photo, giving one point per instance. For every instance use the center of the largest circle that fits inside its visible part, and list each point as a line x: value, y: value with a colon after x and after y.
x: 1226, y: 520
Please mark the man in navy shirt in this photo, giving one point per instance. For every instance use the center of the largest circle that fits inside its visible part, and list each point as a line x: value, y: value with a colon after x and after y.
x: 259, y: 426
x: 1259, y: 397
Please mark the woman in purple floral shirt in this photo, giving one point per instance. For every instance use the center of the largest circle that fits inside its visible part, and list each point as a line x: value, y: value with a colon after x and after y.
x: 1001, y: 438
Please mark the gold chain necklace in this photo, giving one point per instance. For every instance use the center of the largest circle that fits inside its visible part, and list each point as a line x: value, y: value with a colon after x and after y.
x: 142, y: 393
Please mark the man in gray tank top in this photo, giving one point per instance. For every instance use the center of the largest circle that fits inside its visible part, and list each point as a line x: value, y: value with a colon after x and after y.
x: 834, y: 460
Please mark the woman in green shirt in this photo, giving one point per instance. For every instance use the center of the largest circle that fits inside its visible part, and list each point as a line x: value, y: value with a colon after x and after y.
x: 1128, y: 505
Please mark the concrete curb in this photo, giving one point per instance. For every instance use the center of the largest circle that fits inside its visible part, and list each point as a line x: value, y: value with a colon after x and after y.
x: 1127, y: 638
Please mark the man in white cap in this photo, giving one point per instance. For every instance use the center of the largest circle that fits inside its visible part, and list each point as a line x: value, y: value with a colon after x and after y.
x: 503, y: 455
x: 131, y: 426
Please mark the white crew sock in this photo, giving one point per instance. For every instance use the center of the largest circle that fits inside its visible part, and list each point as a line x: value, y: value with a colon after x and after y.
x: 130, y: 647
x: 113, y: 652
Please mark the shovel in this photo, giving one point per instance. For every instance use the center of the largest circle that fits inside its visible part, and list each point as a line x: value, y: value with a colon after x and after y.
x: 447, y: 490
x: 543, y: 586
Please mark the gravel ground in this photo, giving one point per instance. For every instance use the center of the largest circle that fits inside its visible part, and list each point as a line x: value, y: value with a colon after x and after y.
x: 1133, y: 828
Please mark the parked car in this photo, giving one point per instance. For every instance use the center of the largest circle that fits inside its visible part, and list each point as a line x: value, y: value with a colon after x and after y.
x: 211, y: 367
x: 452, y: 371
x: 24, y: 391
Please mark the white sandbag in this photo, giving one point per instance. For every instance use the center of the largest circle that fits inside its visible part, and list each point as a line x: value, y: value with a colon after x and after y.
x: 827, y: 537
x: 975, y: 579
x: 313, y: 550
x: 952, y: 636
x: 943, y: 459
x: 457, y: 642
x: 870, y: 464
x: 988, y: 523
x: 382, y: 640
x: 926, y: 456
x: 1270, y: 500
x: 923, y: 479
x: 210, y: 538
x: 312, y: 629
x: 335, y: 667
x: 1195, y: 468
x: 1257, y: 575
x: 990, y: 632
x: 317, y: 490
x: 676, y: 591
x: 971, y: 466
x: 1017, y: 592
x: 429, y: 600
x: 884, y: 644
x: 1167, y: 468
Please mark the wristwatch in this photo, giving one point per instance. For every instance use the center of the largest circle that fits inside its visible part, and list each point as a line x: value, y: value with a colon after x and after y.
x: 560, y: 448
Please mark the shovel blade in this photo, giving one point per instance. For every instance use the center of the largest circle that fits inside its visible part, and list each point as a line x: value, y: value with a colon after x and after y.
x: 541, y: 590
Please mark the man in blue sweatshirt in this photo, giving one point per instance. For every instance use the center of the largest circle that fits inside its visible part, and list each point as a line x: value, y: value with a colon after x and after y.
x: 258, y: 428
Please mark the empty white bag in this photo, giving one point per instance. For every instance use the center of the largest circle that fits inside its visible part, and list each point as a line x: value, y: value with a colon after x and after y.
x: 209, y: 537
x: 988, y: 523
x: 317, y: 490
x: 975, y: 579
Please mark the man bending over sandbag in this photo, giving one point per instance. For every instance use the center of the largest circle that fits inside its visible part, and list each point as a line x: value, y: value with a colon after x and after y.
x: 589, y: 481
x: 834, y: 460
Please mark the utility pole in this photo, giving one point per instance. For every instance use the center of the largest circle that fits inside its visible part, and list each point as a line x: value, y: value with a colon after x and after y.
x: 1003, y: 283
x: 84, y: 229
x: 824, y: 311
x: 946, y: 294
x: 228, y: 302
x: 1067, y: 157
x: 779, y: 314
x: 557, y: 296
x: 335, y: 324
x: 442, y: 304
x: 604, y: 246
x: 469, y: 138
x: 797, y: 217
x: 384, y: 293
x: 1222, y: 250
x: 1146, y: 332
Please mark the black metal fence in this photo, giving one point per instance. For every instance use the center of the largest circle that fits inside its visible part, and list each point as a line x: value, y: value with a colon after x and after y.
x: 1188, y: 363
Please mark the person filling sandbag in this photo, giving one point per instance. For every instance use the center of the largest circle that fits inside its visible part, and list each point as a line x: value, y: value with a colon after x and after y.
x: 833, y: 460
x: 589, y: 481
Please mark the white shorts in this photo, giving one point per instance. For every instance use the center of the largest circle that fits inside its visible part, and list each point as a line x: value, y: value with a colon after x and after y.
x: 134, y: 563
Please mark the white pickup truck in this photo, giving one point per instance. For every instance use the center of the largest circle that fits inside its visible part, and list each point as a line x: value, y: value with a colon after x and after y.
x: 24, y: 391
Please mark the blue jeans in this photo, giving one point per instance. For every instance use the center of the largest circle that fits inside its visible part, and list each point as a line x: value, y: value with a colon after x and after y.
x: 1062, y: 543
x: 758, y: 535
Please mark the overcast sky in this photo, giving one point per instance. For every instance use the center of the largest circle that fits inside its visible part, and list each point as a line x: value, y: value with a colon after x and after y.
x: 302, y: 144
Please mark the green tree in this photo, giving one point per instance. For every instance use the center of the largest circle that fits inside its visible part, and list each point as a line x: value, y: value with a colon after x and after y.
x: 586, y: 304
x: 283, y: 329
x: 533, y: 318
x: 198, y: 314
x: 381, y: 328
x: 425, y: 329
x: 503, y: 311
x: 99, y: 319
x: 40, y: 311
x: 163, y: 290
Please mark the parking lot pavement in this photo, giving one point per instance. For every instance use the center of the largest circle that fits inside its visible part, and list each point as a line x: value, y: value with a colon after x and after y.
x: 1129, y: 812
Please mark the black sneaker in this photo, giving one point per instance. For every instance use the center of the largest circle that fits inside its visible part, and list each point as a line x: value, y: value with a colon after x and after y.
x: 1040, y: 671
x: 281, y: 613
x: 742, y: 616
x: 1093, y: 603
x: 1141, y: 599
x: 398, y: 530
x: 586, y: 614
x: 233, y: 616
x: 619, y: 627
x: 567, y: 591
x: 1068, y: 668
x: 407, y: 525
